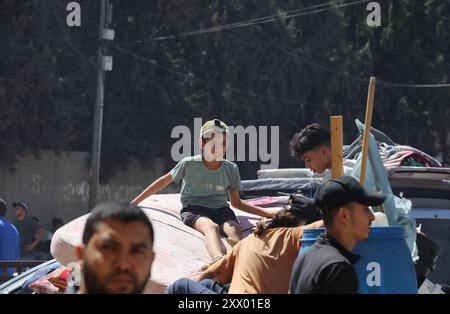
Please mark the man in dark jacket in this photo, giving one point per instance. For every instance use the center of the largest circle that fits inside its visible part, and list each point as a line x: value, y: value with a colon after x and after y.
x: 326, y: 267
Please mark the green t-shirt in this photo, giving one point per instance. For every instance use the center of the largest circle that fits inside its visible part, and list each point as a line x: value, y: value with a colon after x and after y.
x: 204, y: 187
x: 27, y: 230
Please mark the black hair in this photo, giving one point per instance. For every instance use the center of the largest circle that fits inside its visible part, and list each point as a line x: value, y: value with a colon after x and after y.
x: 284, y: 218
x: 309, y: 138
x: 3, y: 208
x: 329, y: 214
x: 122, y: 212
x: 57, y: 221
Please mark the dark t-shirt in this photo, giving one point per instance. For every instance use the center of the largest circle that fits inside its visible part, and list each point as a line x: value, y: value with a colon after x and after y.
x: 27, y: 228
x: 326, y: 267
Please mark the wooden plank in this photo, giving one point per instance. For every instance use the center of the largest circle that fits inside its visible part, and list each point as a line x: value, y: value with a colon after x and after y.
x: 337, y: 169
x: 367, y: 126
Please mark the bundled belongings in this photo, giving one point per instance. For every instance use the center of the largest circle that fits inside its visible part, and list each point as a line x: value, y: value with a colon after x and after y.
x: 395, y: 208
x: 305, y: 207
x: 279, y: 186
x: 268, y: 201
x: 429, y: 252
x: 392, y: 154
x: 52, y: 283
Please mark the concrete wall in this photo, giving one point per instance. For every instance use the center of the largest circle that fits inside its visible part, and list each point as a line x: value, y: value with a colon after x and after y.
x: 58, y: 186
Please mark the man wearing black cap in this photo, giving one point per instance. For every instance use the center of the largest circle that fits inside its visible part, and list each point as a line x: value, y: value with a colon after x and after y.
x: 31, y: 233
x: 326, y: 267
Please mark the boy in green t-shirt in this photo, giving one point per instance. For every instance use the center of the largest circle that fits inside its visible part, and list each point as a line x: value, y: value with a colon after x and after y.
x: 208, y: 181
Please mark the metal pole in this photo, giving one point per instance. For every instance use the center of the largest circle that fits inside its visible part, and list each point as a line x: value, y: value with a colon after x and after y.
x: 98, y: 116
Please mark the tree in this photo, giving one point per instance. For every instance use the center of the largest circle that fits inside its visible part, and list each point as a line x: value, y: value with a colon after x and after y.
x: 289, y: 72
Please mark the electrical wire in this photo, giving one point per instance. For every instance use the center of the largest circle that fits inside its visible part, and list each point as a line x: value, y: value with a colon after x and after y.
x: 253, y: 22
x: 238, y: 91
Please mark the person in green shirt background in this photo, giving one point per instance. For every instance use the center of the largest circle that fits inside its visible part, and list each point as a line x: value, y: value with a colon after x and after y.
x: 31, y: 233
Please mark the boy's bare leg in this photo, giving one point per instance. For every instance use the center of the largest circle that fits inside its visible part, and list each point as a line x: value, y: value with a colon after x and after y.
x: 233, y: 231
x: 211, y: 232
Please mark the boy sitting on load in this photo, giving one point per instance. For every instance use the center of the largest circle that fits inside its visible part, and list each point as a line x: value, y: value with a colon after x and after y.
x: 208, y: 181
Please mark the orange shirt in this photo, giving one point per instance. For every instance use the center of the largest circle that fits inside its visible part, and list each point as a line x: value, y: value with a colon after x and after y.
x: 260, y: 264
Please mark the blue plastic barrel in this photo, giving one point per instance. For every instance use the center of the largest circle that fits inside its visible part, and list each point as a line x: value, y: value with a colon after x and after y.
x: 385, y: 266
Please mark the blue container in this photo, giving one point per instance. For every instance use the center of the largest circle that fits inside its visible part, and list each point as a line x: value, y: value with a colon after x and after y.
x: 385, y: 265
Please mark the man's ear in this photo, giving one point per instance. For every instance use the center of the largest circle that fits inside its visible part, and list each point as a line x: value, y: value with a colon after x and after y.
x: 324, y: 150
x: 343, y: 215
x: 79, y: 251
x: 152, y: 259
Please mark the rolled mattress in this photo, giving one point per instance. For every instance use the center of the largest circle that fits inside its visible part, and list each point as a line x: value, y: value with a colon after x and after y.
x: 179, y: 249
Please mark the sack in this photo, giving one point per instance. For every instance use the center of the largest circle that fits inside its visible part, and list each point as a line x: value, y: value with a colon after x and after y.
x: 304, y: 207
x: 53, y: 283
x: 429, y: 252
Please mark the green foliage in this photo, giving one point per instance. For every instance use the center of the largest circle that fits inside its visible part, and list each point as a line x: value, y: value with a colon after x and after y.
x: 288, y: 72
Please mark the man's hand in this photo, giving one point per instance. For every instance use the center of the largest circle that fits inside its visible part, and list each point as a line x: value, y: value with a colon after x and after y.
x: 199, y: 276
x: 196, y: 277
x: 274, y: 210
x: 29, y: 247
x: 236, y: 202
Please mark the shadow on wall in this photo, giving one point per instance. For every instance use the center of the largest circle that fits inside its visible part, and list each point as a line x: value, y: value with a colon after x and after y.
x: 58, y: 185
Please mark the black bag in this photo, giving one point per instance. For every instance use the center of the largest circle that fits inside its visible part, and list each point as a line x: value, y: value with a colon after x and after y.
x: 429, y: 252
x: 305, y: 208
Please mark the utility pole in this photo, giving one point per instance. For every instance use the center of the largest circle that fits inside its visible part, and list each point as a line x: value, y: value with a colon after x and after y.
x: 104, y: 64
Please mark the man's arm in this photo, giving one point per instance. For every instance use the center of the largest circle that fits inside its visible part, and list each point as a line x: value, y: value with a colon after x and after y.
x: 338, y: 278
x: 39, y: 237
x: 222, y: 269
x: 204, y: 275
x: 315, y: 224
x: 153, y: 188
x: 236, y: 202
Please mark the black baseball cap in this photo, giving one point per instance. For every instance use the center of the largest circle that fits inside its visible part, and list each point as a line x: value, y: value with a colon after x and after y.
x: 342, y: 190
x: 3, y: 206
x: 304, y: 208
x: 21, y: 204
